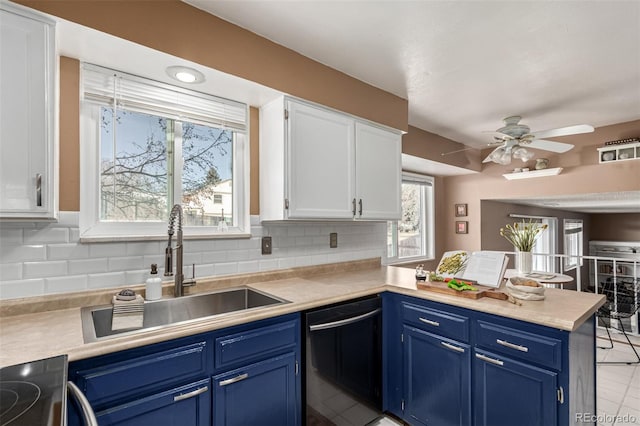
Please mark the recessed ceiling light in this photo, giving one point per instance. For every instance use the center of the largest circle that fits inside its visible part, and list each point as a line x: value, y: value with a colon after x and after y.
x: 185, y: 74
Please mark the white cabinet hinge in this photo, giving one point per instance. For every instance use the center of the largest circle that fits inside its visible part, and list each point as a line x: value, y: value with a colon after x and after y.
x: 286, y: 114
x: 560, y: 395
x: 286, y: 204
x: 297, y: 368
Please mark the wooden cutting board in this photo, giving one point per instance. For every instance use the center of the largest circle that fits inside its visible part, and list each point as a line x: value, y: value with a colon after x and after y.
x: 441, y: 287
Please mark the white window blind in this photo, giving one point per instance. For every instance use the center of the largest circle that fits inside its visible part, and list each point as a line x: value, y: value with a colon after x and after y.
x: 121, y: 90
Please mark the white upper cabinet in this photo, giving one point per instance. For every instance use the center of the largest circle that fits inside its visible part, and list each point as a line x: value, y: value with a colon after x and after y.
x: 378, y: 172
x: 316, y: 163
x: 27, y: 114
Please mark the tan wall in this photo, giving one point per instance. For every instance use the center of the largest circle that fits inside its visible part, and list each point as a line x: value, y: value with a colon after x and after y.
x: 420, y: 143
x: 581, y: 175
x: 179, y: 29
x: 69, y: 181
x: 615, y: 227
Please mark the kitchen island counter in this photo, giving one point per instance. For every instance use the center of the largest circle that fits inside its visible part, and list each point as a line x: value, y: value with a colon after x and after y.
x: 54, y: 328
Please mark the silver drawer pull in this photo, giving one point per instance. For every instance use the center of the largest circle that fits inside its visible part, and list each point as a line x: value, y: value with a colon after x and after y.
x: 490, y: 360
x: 234, y: 379
x: 426, y: 321
x: 512, y: 345
x: 191, y: 394
x: 452, y: 347
x: 38, y: 190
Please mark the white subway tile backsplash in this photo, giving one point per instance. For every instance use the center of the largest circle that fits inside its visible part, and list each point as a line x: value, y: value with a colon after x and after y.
x: 45, y: 269
x: 22, y: 253
x: 55, y: 266
x: 226, y: 268
x: 10, y: 271
x: 108, y: 280
x: 71, y: 283
x: 88, y: 266
x: 21, y: 288
x: 107, y: 249
x: 11, y: 236
x: 67, y: 251
x: 46, y: 235
x: 126, y: 263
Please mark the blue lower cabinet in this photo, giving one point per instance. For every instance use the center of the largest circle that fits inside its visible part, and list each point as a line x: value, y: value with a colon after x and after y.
x: 264, y: 393
x: 188, y: 405
x: 508, y: 392
x: 438, y: 379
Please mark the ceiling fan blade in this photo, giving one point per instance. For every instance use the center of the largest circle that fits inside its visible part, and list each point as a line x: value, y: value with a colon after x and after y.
x: 498, y: 135
x: 564, y: 131
x: 552, y: 146
x: 488, y: 159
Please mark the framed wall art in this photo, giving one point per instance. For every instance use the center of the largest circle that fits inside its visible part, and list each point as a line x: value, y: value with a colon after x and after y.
x: 462, y: 227
x: 461, y: 210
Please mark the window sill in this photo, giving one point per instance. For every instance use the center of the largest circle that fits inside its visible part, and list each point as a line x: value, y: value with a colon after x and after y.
x: 134, y: 238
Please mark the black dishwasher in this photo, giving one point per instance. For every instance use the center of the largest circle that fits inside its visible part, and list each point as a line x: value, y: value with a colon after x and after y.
x: 343, y: 357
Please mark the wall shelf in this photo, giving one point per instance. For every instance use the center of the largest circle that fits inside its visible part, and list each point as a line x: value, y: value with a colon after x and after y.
x: 613, y: 153
x: 533, y: 174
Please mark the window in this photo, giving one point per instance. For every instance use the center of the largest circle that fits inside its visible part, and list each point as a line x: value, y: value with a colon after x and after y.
x: 147, y: 146
x: 572, y: 243
x: 412, y: 237
x: 545, y: 244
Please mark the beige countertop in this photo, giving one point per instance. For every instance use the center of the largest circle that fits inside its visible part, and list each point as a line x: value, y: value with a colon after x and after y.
x: 45, y: 333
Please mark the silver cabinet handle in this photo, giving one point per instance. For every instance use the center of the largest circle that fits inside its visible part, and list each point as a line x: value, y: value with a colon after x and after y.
x: 354, y: 206
x: 85, y: 406
x: 490, y: 360
x: 345, y: 321
x: 426, y: 321
x: 191, y: 394
x: 360, y: 208
x: 452, y: 347
x: 234, y: 379
x: 38, y: 190
x: 512, y: 345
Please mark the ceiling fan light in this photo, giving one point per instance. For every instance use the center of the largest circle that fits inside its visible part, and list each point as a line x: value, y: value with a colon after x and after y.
x: 519, y: 152
x: 505, y: 159
x: 528, y: 155
x: 496, y: 154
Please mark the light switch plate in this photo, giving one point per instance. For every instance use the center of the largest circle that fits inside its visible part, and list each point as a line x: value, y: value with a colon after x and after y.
x: 266, y: 245
x: 333, y: 240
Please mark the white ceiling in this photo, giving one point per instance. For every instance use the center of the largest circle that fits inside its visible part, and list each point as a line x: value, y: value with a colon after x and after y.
x: 465, y: 65
x: 608, y: 202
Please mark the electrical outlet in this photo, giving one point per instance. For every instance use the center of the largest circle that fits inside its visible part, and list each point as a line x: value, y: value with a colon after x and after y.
x: 333, y: 240
x: 266, y: 245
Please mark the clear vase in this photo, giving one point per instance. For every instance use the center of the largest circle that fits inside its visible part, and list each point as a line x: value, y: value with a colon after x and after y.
x: 524, y: 262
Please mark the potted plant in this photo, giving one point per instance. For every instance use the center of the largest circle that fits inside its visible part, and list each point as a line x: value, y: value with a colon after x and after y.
x: 523, y: 236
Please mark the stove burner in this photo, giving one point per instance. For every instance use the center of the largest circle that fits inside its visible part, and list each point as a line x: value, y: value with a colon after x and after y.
x: 16, y: 398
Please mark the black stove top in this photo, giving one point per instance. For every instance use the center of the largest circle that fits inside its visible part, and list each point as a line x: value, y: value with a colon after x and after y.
x: 34, y: 393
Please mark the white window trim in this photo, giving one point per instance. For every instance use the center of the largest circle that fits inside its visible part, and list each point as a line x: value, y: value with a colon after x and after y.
x: 552, y: 227
x: 571, y: 262
x: 429, y: 223
x: 93, y: 230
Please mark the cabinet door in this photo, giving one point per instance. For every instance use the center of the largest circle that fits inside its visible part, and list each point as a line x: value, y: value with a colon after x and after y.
x: 320, y: 163
x: 378, y: 172
x: 437, y: 374
x: 26, y: 117
x: 188, y: 405
x: 264, y: 393
x: 509, y: 393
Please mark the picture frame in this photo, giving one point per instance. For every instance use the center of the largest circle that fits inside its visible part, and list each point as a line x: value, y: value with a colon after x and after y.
x: 461, y: 210
x: 462, y: 227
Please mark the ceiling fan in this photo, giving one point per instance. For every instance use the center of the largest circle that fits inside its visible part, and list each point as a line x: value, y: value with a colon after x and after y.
x: 514, y: 136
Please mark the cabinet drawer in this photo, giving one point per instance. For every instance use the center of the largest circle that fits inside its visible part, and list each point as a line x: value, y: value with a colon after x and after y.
x: 254, y: 343
x: 542, y: 350
x: 137, y: 376
x: 435, y: 321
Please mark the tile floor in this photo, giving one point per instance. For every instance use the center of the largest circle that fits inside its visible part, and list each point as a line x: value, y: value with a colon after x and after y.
x: 618, y: 386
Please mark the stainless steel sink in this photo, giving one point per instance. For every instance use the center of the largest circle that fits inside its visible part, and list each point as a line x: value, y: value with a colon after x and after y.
x: 96, y: 320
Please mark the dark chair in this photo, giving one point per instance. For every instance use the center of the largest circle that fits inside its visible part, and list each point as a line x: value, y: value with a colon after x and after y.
x: 623, y: 298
